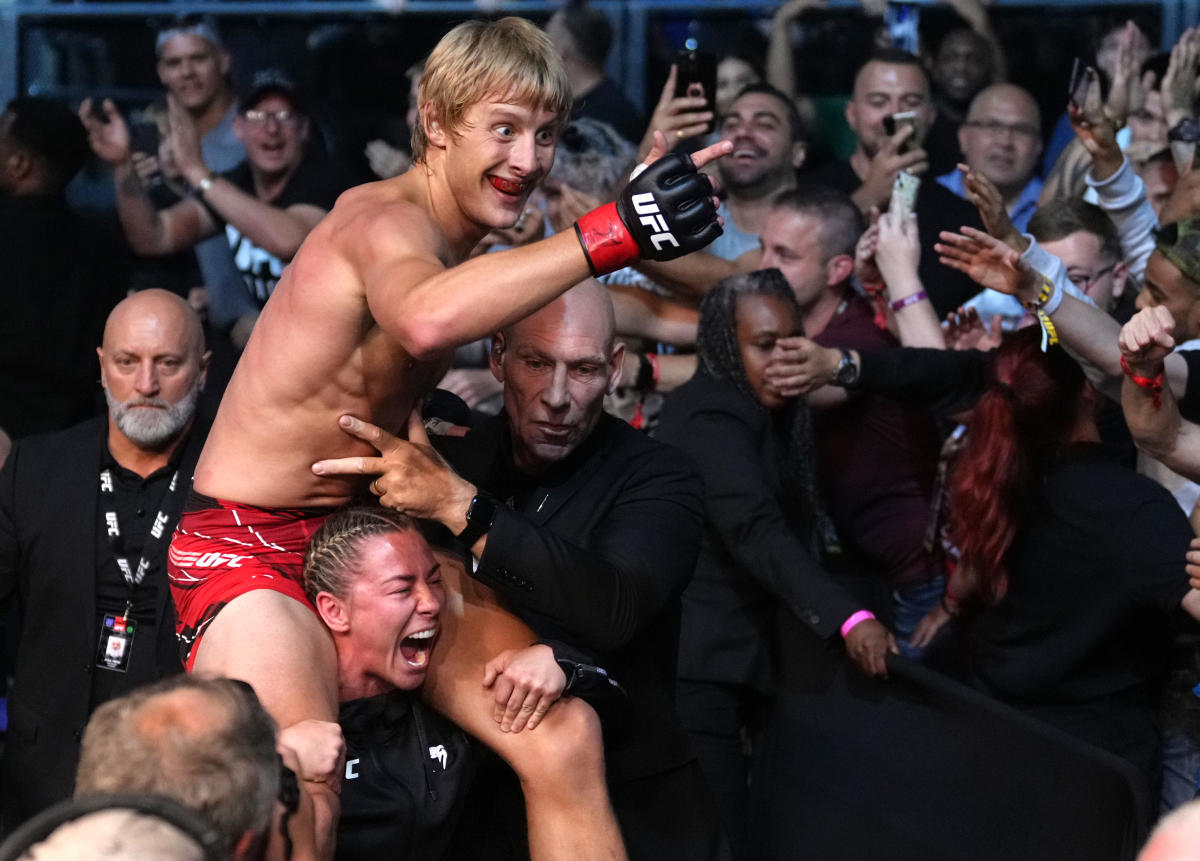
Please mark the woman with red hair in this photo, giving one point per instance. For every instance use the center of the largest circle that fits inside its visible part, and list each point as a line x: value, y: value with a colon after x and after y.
x: 1069, y: 564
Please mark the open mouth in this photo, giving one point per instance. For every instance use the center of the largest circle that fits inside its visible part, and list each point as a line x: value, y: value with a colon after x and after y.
x: 415, y: 648
x: 507, y: 186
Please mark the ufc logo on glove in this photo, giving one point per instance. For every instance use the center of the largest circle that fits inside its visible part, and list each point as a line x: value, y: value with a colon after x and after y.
x: 644, y: 205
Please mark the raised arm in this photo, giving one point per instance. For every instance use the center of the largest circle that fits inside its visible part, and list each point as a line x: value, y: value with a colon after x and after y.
x: 897, y: 253
x: 1151, y: 410
x: 1082, y: 327
x: 666, y: 211
x: 276, y: 230
x: 643, y: 314
x: 149, y: 231
x: 781, y: 64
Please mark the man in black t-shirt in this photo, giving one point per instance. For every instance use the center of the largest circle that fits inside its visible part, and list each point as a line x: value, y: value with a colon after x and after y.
x: 892, y: 82
x: 266, y: 206
x: 583, y: 37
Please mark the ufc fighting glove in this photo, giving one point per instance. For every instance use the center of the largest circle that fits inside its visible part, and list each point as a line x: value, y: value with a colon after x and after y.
x: 666, y: 211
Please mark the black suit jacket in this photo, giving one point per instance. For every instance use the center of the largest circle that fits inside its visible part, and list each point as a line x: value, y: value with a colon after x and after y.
x: 755, y: 554
x: 48, y: 521
x: 596, y: 554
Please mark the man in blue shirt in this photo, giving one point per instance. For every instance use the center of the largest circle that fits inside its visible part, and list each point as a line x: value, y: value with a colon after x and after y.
x: 1001, y: 138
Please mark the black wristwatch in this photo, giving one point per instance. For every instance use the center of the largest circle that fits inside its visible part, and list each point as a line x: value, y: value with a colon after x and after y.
x: 481, y: 514
x: 1187, y: 130
x: 846, y: 374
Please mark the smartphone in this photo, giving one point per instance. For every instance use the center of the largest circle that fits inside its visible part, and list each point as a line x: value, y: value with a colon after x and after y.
x: 892, y: 123
x: 97, y: 110
x: 143, y: 138
x: 1077, y: 86
x: 697, y: 69
x: 904, y: 193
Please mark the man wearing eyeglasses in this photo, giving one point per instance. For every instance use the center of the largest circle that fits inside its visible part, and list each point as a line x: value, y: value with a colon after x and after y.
x: 1002, y: 139
x: 264, y: 206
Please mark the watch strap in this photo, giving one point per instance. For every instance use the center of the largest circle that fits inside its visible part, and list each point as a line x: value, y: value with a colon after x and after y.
x: 481, y: 514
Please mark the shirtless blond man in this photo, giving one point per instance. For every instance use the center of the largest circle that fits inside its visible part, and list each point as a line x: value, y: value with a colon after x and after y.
x: 363, y: 322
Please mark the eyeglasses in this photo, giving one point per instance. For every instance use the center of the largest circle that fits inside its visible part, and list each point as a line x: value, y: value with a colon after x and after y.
x: 259, y: 118
x: 1084, y: 282
x: 994, y: 128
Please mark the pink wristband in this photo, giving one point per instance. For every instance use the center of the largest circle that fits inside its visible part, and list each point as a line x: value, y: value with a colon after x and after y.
x: 855, y: 618
x: 901, y: 304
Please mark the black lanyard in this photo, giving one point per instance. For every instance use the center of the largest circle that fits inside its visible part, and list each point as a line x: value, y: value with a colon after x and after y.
x: 159, y: 534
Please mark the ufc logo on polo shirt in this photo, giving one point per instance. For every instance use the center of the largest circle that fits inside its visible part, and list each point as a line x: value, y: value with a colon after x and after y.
x: 645, y: 206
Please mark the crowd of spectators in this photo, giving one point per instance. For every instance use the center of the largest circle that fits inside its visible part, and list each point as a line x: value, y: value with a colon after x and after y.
x: 931, y: 402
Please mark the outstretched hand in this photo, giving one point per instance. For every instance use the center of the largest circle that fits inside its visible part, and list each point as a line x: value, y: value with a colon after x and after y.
x: 109, y: 137
x: 988, y: 262
x: 964, y: 330
x: 1178, y: 88
x: 676, y: 117
x: 1147, y: 339
x: 983, y: 195
x: 411, y: 476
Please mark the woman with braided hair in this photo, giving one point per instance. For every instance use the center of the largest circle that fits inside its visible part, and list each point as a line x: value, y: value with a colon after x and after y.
x: 763, y: 531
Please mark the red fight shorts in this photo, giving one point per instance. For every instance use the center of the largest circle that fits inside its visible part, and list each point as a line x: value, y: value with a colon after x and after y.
x: 221, y: 550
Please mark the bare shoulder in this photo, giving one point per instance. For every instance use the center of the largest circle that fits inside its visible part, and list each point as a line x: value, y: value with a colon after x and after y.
x: 384, y: 219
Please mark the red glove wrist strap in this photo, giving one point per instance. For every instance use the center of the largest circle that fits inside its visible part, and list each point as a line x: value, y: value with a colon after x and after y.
x: 606, y: 242
x: 1153, y: 384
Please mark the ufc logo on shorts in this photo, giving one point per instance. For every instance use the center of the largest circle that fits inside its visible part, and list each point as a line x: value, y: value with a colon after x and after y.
x: 206, y: 560
x: 645, y: 206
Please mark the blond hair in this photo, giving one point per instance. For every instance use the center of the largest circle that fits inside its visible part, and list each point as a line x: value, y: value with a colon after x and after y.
x: 510, y: 59
x: 331, y: 559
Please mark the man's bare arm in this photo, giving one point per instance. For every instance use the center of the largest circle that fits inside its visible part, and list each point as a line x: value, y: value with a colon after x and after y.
x: 149, y: 231
x: 674, y: 369
x: 1150, y: 408
x: 429, y: 307
x: 442, y: 307
x: 276, y: 231
x: 694, y: 275
x: 1084, y: 328
x: 642, y: 314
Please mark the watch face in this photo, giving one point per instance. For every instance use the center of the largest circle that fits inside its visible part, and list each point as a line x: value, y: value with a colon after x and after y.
x: 847, y: 371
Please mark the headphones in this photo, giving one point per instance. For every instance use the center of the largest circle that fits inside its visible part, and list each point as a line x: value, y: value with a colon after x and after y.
x: 168, y: 810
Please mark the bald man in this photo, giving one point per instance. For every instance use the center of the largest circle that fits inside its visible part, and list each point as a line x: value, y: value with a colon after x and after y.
x: 589, y: 530
x: 1002, y: 139
x: 85, y: 518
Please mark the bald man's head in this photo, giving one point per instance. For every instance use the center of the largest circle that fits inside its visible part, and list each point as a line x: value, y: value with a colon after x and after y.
x: 152, y: 367
x: 556, y: 366
x: 585, y: 307
x: 1002, y: 137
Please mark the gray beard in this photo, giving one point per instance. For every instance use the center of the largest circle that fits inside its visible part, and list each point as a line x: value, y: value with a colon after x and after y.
x: 152, y: 428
